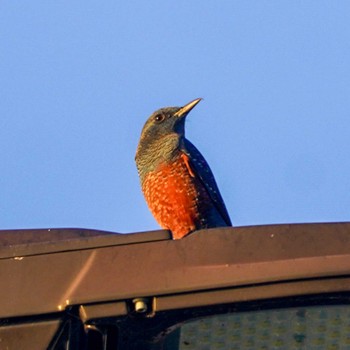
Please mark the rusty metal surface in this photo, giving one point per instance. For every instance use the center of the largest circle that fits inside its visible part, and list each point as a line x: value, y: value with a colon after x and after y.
x: 217, y: 258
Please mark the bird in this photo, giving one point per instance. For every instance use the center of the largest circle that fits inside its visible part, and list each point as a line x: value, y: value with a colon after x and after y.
x: 177, y: 182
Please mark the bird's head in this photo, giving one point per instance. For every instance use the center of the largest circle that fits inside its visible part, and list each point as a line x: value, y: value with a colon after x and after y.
x: 166, y: 121
x: 161, y: 134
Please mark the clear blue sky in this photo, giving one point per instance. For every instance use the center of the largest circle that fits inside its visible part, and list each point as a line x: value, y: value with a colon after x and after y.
x: 78, y: 79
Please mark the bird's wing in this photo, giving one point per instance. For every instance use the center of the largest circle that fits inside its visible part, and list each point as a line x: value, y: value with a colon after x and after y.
x: 199, y: 168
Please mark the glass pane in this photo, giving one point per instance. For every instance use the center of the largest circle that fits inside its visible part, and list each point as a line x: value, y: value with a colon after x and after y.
x: 311, y: 328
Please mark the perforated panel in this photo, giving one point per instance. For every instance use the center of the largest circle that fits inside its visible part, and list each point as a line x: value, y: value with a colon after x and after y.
x: 311, y: 328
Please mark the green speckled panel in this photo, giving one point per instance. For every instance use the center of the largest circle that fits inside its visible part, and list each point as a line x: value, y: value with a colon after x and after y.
x: 309, y: 328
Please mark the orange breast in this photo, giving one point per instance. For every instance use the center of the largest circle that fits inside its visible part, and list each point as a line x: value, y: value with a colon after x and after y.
x: 174, y: 194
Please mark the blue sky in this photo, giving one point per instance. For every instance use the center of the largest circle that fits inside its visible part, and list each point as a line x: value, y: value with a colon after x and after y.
x: 78, y: 79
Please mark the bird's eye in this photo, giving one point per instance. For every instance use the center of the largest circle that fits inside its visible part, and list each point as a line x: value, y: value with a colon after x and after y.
x: 159, y: 118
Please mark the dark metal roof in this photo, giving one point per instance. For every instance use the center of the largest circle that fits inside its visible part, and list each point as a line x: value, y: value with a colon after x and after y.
x: 45, y: 271
x: 40, y: 241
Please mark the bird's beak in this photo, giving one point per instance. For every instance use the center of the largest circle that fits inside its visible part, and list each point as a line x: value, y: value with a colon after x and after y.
x: 183, y: 111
